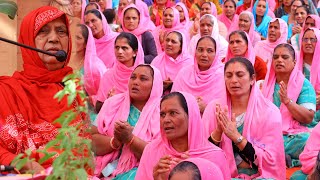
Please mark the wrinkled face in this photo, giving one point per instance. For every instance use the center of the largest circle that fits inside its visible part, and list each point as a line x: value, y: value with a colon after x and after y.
x: 76, y: 6
x: 140, y: 84
x: 309, y: 42
x: 186, y: 175
x: 244, y: 23
x: 309, y: 23
x: 300, y: 15
x: 173, y: 119
x: 205, y: 9
x: 181, y: 13
x: 205, y: 54
x: 52, y: 37
x: 294, y: 6
x: 131, y: 19
x: 123, y: 4
x: 206, y: 27
x: 229, y: 9
x: 123, y: 52
x: 102, y: 4
x: 172, y: 45
x: 95, y: 24
x: 261, y: 8
x: 168, y: 17
x: 282, y: 60
x: 238, y: 80
x: 79, y: 40
x: 238, y: 45
x: 274, y: 32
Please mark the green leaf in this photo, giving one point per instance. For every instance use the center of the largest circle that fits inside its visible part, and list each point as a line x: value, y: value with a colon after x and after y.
x: 8, y: 7
x: 81, y: 174
x: 71, y: 98
x: 21, y: 163
x: 47, y: 156
x: 59, y: 95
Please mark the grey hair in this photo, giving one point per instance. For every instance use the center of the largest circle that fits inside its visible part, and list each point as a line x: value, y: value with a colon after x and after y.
x: 247, y: 13
x: 208, y: 16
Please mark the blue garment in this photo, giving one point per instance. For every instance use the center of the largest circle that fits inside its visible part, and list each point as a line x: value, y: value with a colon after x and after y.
x: 148, y: 2
x: 286, y: 19
x: 239, y: 3
x: 263, y: 27
x: 115, y: 4
x: 298, y: 175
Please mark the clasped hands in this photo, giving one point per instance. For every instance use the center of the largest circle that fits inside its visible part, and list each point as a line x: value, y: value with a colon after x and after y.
x: 122, y: 133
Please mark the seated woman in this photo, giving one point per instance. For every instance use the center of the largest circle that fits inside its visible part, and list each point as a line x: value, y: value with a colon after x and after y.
x: 156, y: 11
x: 126, y: 123
x: 184, y: 15
x: 182, y: 136
x: 261, y: 18
x: 196, y: 169
x: 277, y: 34
x: 294, y: 95
x: 228, y: 16
x: 134, y: 22
x: 240, y: 46
x: 247, y: 126
x: 204, y: 79
x: 78, y: 8
x: 129, y: 55
x: 104, y: 36
x: 173, y: 59
x: 28, y: 109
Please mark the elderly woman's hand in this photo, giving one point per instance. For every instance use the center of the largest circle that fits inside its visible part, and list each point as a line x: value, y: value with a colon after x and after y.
x: 123, y: 132
x: 283, y: 93
x: 162, y: 169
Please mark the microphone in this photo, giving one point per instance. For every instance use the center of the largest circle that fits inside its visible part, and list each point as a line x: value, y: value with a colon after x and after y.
x: 6, y: 168
x: 60, y: 55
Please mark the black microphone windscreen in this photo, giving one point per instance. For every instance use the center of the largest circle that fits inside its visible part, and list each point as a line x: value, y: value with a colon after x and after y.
x: 61, y: 55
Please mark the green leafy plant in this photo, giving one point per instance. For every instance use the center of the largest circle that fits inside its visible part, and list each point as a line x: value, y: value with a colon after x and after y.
x: 75, y: 157
x: 8, y: 7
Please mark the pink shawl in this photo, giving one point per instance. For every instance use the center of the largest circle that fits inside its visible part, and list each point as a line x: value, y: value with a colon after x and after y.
x: 108, y: 4
x: 94, y: 68
x: 105, y: 45
x: 170, y: 67
x: 155, y: 6
x: 295, y: 83
x: 226, y: 21
x: 309, y: 154
x: 186, y: 23
x: 208, y: 169
x: 207, y: 84
x: 199, y: 146
x: 118, y: 76
x: 83, y: 8
x: 315, y: 66
x: 316, y: 20
x: 265, y: 48
x: 147, y: 128
x: 262, y: 128
x: 214, y: 11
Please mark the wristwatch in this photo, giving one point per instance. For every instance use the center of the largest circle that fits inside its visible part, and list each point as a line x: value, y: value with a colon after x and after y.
x: 239, y: 140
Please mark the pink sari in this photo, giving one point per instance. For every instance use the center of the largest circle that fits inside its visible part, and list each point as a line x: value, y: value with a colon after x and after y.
x: 262, y: 128
x: 118, y: 76
x: 170, y: 67
x: 265, y: 48
x: 199, y: 146
x: 147, y: 128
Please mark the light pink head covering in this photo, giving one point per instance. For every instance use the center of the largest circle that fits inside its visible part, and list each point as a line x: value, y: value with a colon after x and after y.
x: 186, y: 23
x: 83, y: 8
x: 250, y: 55
x: 207, y: 84
x: 108, y: 4
x: 226, y: 21
x: 94, y: 68
x: 315, y: 66
x: 316, y: 20
x: 147, y: 128
x: 199, y: 146
x: 118, y: 76
x: 265, y: 48
x: 262, y: 128
x: 289, y: 125
x: 170, y: 67
x: 214, y: 11
x: 309, y: 155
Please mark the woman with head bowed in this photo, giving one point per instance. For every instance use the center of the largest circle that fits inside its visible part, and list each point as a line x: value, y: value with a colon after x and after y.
x: 127, y: 122
x: 228, y: 16
x: 261, y: 17
x: 294, y: 95
x: 240, y: 46
x: 182, y: 136
x: 246, y: 126
x: 104, y: 36
x: 173, y: 59
x: 136, y: 23
x: 129, y: 55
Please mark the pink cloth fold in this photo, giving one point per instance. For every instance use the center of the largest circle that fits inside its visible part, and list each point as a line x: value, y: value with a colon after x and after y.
x: 117, y: 108
x: 262, y: 128
x: 226, y: 21
x: 83, y: 8
x: 199, y: 146
x: 118, y: 76
x: 170, y: 67
x: 186, y: 23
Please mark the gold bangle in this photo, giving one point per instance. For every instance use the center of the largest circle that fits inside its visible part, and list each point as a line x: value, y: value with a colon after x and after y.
x: 214, y: 138
x: 131, y: 141
x: 111, y: 144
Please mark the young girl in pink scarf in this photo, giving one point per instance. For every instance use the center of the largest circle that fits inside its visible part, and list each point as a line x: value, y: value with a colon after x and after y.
x: 127, y: 122
x: 182, y: 136
x: 246, y: 126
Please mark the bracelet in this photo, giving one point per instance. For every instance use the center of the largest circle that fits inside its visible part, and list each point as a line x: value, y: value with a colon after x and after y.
x: 290, y: 101
x: 111, y: 144
x: 131, y: 141
x: 214, y: 138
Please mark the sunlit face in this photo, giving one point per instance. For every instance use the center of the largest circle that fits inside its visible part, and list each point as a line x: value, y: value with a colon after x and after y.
x: 168, y: 17
x: 206, y: 27
x: 238, y: 46
x: 238, y: 80
x: 123, y: 52
x: 79, y: 40
x: 76, y: 6
x: 173, y: 119
x: 185, y: 175
x: 140, y: 84
x: 274, y: 32
x: 244, y: 22
x: 229, y: 9
x: 205, y: 9
x: 181, y: 13
x: 123, y: 4
x: 172, y: 45
x: 282, y: 61
x: 300, y: 15
x: 131, y: 19
x: 95, y: 24
x: 52, y: 37
x: 294, y: 6
x: 309, y: 23
x: 205, y: 54
x: 309, y: 42
x: 261, y: 8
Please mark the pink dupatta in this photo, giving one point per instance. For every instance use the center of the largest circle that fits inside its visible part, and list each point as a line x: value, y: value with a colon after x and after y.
x: 226, y: 21
x: 199, y: 146
x: 186, y: 23
x: 147, y: 128
x: 170, y: 67
x: 262, y: 128
x: 83, y: 8
x: 118, y: 76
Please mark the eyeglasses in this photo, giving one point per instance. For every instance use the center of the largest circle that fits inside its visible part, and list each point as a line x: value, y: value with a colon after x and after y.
x: 312, y: 40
